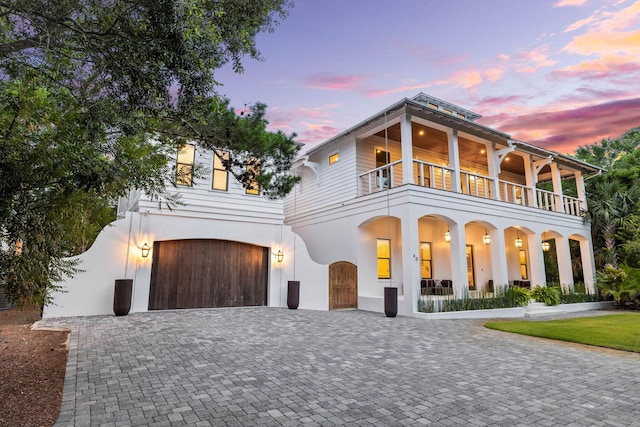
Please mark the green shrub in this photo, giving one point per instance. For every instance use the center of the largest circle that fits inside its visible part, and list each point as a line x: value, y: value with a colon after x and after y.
x: 547, y: 295
x: 620, y: 284
x: 519, y: 296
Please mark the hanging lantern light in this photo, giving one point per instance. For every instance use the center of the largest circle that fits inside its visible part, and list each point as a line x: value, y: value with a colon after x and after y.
x: 145, y: 249
x: 486, y: 239
x: 447, y: 236
x: 545, y: 245
x: 518, y: 241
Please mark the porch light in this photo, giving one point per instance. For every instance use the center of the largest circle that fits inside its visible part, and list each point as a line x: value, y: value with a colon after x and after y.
x: 145, y: 249
x: 18, y: 249
x: 279, y: 256
x: 545, y: 245
x: 518, y: 241
x: 486, y: 239
x: 447, y: 236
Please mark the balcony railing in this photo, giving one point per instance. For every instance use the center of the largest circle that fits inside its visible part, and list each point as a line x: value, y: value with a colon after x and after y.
x: 438, y: 177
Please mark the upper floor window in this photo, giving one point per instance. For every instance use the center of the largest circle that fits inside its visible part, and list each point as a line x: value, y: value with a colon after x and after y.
x: 384, y: 259
x: 334, y: 158
x: 253, y: 186
x: 185, y: 163
x: 220, y: 178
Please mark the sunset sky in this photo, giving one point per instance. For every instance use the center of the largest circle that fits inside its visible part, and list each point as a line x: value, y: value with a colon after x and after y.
x: 555, y: 73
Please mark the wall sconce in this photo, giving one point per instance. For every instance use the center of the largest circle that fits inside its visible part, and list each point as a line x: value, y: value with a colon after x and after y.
x: 545, y: 245
x: 279, y: 256
x: 486, y: 239
x: 518, y: 241
x: 447, y: 236
x: 145, y: 250
x: 18, y: 249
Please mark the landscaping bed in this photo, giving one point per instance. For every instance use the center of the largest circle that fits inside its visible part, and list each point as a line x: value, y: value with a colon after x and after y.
x: 32, y: 368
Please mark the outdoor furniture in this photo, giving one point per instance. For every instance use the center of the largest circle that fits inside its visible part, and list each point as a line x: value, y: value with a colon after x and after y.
x: 522, y: 283
x: 490, y: 286
x: 427, y: 286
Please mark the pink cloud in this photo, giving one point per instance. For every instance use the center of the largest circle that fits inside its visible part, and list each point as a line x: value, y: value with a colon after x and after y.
x: 564, y: 130
x: 352, y: 82
x: 503, y: 57
x: 608, y: 66
x: 317, y: 133
x: 498, y: 102
x: 493, y: 74
x: 532, y: 61
x: 565, y: 3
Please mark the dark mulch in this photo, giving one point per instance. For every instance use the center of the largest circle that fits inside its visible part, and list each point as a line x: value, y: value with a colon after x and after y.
x: 32, y: 368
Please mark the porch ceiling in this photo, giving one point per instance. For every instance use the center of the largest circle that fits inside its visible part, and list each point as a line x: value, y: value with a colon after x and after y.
x: 434, y: 140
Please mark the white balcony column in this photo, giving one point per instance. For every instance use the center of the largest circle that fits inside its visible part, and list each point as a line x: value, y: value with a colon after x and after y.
x: 588, y: 265
x: 493, y: 168
x: 536, y: 260
x: 454, y: 160
x: 499, y: 267
x: 557, y: 187
x: 408, y: 303
x: 531, y: 179
x: 459, y: 261
x: 406, y: 144
x: 564, y: 263
x: 582, y: 196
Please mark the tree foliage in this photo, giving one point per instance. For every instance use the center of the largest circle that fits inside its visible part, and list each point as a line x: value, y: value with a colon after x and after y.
x: 614, y: 199
x: 96, y: 97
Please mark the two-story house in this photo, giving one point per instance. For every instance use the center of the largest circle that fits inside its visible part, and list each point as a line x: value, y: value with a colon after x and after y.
x: 418, y: 193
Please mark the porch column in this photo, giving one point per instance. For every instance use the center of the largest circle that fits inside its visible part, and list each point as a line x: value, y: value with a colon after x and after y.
x: 536, y: 260
x: 588, y: 265
x: 564, y: 263
x: 499, y: 259
x: 408, y: 302
x: 580, y: 187
x: 557, y: 187
x: 454, y: 160
x: 530, y: 181
x: 459, y: 261
x: 406, y: 145
x: 493, y: 171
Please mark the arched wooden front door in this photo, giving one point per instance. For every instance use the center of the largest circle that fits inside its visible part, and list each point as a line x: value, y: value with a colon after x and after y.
x: 343, y: 285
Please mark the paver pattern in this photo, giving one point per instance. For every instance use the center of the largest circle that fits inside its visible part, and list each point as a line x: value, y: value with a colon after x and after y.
x: 277, y: 367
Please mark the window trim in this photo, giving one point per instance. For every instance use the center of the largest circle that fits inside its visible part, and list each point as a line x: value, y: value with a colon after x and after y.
x: 523, y: 264
x: 216, y: 155
x: 190, y: 165
x: 379, y: 258
x: 336, y: 155
x: 423, y: 260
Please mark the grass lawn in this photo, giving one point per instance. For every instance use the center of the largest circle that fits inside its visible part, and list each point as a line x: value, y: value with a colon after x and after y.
x: 618, y: 331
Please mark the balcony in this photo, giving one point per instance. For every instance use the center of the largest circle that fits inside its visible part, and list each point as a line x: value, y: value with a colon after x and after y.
x: 439, y: 177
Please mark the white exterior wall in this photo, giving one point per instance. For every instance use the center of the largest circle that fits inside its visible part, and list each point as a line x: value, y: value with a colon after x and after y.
x: 203, y: 214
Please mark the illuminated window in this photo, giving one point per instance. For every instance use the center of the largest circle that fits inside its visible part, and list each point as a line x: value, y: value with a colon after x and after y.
x: 384, y: 259
x: 220, y: 176
x: 523, y: 265
x: 425, y: 260
x: 334, y: 158
x: 184, y: 167
x: 253, y: 187
x: 470, y: 269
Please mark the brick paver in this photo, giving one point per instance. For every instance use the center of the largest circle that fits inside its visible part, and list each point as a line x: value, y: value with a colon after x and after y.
x: 278, y: 367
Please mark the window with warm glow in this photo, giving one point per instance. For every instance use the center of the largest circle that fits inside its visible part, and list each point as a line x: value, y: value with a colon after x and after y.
x: 384, y: 259
x: 523, y: 264
x: 253, y: 185
x: 220, y: 178
x: 184, y: 167
x: 425, y: 260
x: 334, y: 158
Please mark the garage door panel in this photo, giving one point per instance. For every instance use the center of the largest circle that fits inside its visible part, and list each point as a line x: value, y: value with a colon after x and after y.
x: 208, y: 273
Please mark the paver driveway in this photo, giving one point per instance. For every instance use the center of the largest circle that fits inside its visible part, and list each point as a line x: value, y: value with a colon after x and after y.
x: 270, y: 366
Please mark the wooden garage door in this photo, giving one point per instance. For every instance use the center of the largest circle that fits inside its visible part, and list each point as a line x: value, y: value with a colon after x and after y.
x: 208, y: 273
x: 343, y: 285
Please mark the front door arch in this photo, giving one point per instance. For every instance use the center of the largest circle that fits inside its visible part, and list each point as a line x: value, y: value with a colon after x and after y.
x: 343, y: 285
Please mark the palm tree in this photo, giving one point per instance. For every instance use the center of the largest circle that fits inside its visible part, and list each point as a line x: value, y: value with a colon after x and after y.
x: 611, y: 208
